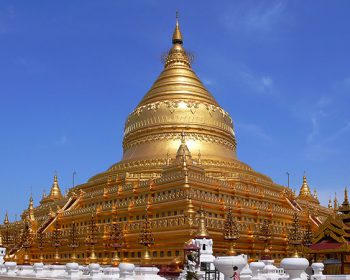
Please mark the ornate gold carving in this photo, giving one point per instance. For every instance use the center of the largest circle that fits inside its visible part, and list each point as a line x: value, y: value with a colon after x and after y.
x: 175, y: 136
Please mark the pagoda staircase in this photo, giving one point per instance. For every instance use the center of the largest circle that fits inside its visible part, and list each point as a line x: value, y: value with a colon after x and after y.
x: 70, y: 204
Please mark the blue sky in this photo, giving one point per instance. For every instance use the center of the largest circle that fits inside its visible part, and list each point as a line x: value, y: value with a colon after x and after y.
x: 71, y: 72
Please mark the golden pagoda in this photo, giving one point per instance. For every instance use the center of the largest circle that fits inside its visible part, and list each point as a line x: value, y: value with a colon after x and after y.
x: 179, y: 156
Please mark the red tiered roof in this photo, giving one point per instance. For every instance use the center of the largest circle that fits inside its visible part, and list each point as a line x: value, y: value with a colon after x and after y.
x: 326, y: 245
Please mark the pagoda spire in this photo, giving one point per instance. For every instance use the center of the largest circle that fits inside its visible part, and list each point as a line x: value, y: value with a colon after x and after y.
x: 346, y: 199
x: 335, y: 201
x: 330, y: 203
x: 177, y: 56
x: 31, y: 208
x: 44, y: 194
x: 6, y: 220
x: 305, y: 189
x: 31, y: 203
x: 345, y: 207
x: 177, y: 36
x: 55, y: 192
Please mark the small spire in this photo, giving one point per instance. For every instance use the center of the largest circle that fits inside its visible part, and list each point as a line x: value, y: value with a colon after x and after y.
x: 31, y: 203
x: 177, y: 36
x: 6, y: 220
x: 31, y: 208
x: 330, y: 203
x: 44, y: 194
x: 346, y: 199
x: 335, y: 201
x: 315, y: 194
x: 202, y: 229
x: 183, y: 151
x: 55, y: 192
x: 199, y: 157
x: 304, y: 190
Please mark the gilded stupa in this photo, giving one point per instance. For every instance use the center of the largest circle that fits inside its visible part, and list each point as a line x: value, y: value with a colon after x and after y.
x: 179, y: 156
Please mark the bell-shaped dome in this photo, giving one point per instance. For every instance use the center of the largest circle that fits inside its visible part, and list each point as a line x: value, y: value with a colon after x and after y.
x: 178, y: 102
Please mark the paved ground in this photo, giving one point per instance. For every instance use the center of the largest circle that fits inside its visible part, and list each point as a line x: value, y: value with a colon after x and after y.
x: 17, y: 278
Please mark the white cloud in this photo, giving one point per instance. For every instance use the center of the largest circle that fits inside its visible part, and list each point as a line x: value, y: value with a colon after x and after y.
x: 259, y: 84
x: 256, y: 17
x: 208, y: 82
x: 318, y: 113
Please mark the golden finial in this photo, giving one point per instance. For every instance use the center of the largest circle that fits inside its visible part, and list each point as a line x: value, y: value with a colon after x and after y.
x: 31, y: 209
x: 31, y: 203
x: 199, y: 157
x: 304, y: 190
x: 55, y: 191
x: 177, y: 36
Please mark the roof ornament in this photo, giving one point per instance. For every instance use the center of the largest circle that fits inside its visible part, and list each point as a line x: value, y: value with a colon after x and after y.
x: 305, y: 190
x: 177, y: 55
x: 202, y: 229
x: 330, y: 203
x: 346, y: 199
x: 183, y: 152
x: 335, y: 201
x: 6, y: 220
x: 55, y: 191
x: 31, y: 209
x: 31, y: 202
x: 177, y: 36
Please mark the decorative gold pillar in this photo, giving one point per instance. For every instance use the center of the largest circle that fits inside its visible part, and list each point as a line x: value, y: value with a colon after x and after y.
x: 40, y: 239
x: 146, y: 239
x: 116, y: 237
x: 73, y: 241
x: 265, y: 236
x: 56, y: 241
x: 91, y: 240
x: 26, y: 242
x: 295, y: 235
x: 231, y: 232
